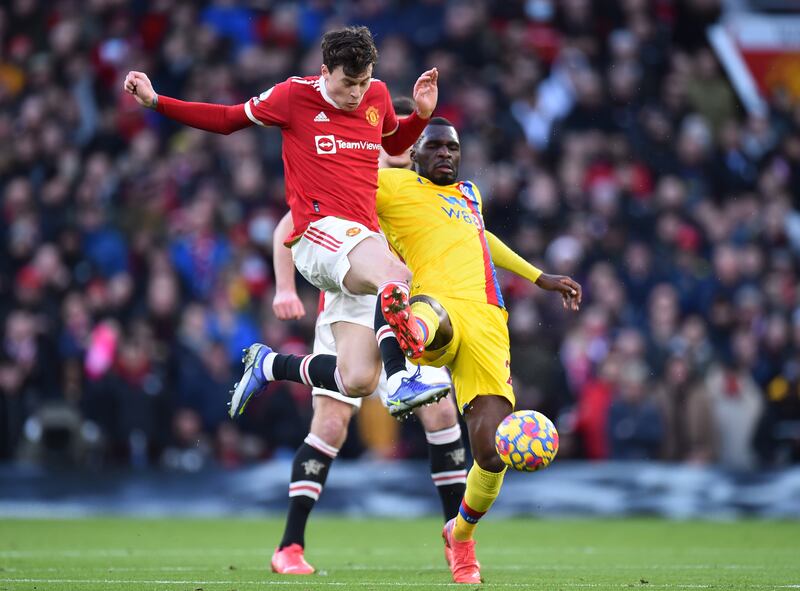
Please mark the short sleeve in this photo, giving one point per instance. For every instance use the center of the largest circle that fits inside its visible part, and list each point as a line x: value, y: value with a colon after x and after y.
x: 271, y: 107
x: 390, y: 120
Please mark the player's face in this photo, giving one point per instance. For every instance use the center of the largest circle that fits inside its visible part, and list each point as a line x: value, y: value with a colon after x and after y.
x: 437, y: 154
x: 346, y: 91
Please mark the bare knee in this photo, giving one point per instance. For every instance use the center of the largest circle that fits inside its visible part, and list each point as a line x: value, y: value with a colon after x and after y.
x: 371, y: 264
x: 391, y: 269
x: 483, y: 416
x: 436, y: 417
x: 331, y: 420
x: 359, y: 381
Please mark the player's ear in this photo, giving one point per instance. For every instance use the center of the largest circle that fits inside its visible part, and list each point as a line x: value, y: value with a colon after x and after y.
x: 325, y: 71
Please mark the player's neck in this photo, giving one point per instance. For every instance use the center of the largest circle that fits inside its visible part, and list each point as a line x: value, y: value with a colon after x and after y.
x: 323, y: 90
x: 431, y: 181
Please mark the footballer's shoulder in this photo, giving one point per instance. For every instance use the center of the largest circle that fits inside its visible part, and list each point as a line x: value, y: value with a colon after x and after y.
x: 304, y: 80
x: 377, y: 87
x: 304, y: 84
x: 397, y: 174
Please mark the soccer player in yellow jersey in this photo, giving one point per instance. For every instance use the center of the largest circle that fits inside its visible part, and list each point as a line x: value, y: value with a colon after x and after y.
x: 435, y: 224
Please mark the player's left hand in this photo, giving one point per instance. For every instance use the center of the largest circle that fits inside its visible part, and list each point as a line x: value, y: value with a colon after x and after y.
x: 570, y: 290
x: 426, y: 93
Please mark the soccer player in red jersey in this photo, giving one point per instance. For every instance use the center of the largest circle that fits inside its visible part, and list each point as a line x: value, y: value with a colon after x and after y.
x: 333, y: 127
x: 333, y: 412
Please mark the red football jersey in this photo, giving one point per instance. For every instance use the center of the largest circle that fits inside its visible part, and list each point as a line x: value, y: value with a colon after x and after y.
x: 330, y: 156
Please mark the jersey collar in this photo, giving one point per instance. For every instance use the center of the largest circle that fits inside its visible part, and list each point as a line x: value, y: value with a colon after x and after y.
x: 324, y: 92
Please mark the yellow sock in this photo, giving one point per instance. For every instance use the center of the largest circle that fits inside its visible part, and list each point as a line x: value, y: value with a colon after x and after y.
x: 482, y: 489
x: 427, y: 318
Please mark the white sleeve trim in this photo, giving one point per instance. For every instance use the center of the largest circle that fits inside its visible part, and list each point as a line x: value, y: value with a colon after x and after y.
x: 248, y: 111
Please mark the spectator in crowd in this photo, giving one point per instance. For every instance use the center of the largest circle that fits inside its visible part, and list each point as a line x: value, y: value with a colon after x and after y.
x: 685, y: 407
x: 635, y: 425
x: 134, y: 254
x: 736, y: 404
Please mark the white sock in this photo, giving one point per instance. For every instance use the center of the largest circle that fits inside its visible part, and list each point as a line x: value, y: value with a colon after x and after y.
x: 266, y: 365
x: 393, y: 381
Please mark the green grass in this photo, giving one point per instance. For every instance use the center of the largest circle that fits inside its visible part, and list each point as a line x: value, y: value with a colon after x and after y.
x: 226, y: 555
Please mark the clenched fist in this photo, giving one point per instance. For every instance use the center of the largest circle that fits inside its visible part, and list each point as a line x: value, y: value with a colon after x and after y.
x: 139, y: 85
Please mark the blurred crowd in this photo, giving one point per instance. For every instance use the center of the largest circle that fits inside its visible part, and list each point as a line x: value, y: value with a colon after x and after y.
x: 135, y: 254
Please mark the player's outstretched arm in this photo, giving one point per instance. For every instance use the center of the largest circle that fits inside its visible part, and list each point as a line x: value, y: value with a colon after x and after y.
x: 206, y: 116
x: 426, y: 94
x: 286, y: 304
x: 507, y: 259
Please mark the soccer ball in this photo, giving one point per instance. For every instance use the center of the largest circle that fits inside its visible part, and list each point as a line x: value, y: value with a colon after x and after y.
x: 526, y: 440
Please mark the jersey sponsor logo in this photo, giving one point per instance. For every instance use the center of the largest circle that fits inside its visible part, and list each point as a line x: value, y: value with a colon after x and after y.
x: 459, y: 210
x: 326, y: 144
x: 353, y: 231
x: 373, y: 116
x: 457, y: 201
x: 262, y: 97
x: 321, y: 118
x: 359, y: 145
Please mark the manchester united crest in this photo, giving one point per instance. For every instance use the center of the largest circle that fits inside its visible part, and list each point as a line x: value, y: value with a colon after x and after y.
x: 353, y: 231
x: 372, y: 115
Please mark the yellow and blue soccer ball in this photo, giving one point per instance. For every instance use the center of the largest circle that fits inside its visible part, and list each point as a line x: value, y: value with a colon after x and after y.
x: 526, y: 440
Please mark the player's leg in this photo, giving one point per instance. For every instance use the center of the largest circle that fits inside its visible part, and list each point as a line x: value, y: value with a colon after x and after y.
x: 485, y: 477
x: 358, y: 361
x: 482, y: 379
x: 373, y: 269
x: 310, y: 468
x: 484, y: 480
x: 262, y: 365
x: 354, y: 373
x: 433, y: 321
x: 446, y: 452
x: 311, y: 464
x: 326, y: 263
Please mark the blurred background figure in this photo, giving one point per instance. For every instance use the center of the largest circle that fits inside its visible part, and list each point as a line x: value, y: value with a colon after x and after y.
x: 608, y: 141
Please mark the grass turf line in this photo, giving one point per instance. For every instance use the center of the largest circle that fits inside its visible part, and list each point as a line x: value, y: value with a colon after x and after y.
x: 233, y: 554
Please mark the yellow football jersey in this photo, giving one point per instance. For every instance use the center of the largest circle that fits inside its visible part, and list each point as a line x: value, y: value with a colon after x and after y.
x: 439, y: 233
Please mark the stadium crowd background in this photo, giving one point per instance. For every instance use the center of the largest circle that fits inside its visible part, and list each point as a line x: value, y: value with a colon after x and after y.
x: 135, y: 253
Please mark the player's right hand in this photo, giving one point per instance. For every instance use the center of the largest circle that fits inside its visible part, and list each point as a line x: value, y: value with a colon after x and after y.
x: 287, y: 305
x: 139, y: 85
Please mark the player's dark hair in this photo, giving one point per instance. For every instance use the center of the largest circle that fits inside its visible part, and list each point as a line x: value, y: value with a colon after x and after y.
x: 440, y: 121
x: 353, y: 48
x: 403, y: 105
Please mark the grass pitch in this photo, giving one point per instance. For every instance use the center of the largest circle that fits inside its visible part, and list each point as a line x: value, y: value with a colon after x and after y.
x: 233, y: 554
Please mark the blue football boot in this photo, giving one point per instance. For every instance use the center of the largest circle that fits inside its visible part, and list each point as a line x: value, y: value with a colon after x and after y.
x: 253, y: 380
x: 413, y: 392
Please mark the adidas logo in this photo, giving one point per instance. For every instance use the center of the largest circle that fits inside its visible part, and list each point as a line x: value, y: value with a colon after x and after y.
x: 321, y: 118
